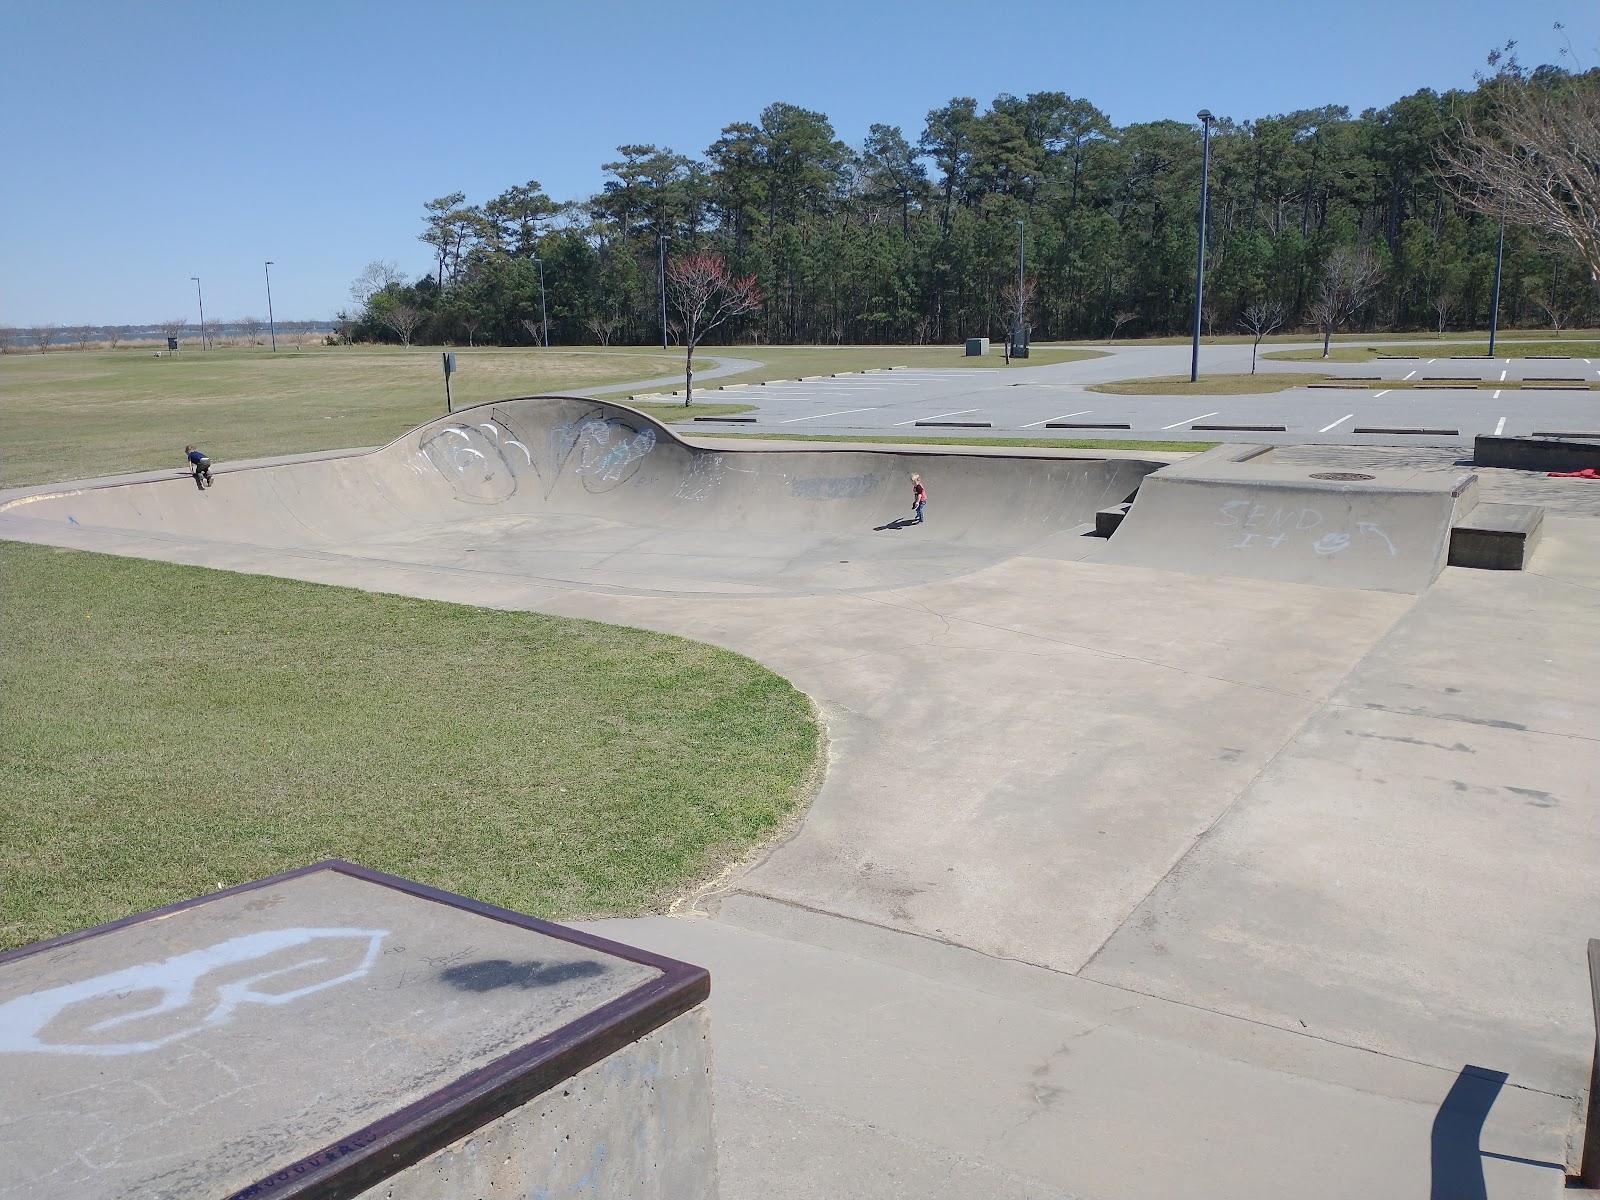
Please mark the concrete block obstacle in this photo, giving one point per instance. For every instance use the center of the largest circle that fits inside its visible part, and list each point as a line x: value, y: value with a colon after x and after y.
x: 1108, y: 520
x: 338, y: 1032
x: 1496, y: 537
x: 1546, y: 451
x: 1232, y: 511
x: 977, y: 347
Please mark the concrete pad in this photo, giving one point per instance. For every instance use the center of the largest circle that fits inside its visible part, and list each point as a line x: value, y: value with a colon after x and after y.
x: 859, y: 1062
x: 1414, y: 872
x: 320, y: 1030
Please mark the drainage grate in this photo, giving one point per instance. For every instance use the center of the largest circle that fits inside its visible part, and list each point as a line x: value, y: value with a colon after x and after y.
x: 1342, y: 476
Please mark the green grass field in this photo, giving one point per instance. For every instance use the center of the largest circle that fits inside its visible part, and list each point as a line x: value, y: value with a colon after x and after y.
x: 71, y: 414
x: 167, y: 730
x: 1207, y: 385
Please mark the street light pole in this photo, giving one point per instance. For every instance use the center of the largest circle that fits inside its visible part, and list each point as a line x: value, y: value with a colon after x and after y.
x: 271, y: 324
x: 663, y: 248
x: 1499, y: 257
x: 1022, y: 239
x: 1200, y: 265
x: 544, y: 312
x: 202, y: 301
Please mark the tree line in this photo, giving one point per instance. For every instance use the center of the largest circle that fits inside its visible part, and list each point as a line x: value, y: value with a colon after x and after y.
x: 914, y: 237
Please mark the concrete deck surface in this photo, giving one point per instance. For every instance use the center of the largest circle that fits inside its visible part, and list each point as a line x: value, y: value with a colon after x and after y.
x: 1122, y: 881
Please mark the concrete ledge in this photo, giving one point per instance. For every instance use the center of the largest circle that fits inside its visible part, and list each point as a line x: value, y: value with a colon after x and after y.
x: 1541, y: 452
x: 1496, y: 537
x: 1107, y: 520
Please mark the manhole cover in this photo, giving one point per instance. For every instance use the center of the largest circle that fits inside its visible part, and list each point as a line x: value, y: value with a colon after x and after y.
x: 1342, y: 476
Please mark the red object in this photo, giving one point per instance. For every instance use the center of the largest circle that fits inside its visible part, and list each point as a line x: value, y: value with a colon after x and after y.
x: 1586, y: 473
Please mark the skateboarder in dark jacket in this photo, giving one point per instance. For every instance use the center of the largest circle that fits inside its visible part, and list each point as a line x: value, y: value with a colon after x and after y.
x: 200, y: 464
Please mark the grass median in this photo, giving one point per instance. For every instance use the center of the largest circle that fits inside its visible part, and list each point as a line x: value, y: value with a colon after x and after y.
x: 1208, y: 385
x: 1504, y: 348
x: 167, y: 730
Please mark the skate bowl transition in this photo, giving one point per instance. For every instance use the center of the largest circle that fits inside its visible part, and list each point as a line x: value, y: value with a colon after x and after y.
x: 587, y: 494
x: 582, y: 494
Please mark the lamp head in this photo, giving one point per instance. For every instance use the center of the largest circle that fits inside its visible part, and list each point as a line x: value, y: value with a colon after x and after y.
x: 1205, y: 116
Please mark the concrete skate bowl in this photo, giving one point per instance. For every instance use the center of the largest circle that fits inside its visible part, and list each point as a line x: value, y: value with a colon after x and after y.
x: 592, y: 495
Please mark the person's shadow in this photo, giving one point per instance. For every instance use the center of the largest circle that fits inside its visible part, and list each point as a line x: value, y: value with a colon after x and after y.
x: 897, y: 523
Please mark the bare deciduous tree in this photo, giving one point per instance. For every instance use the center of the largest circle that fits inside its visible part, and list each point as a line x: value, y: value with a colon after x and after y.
x: 603, y: 324
x: 82, y: 334
x: 377, y: 276
x: 535, y: 329
x: 175, y: 327
x: 250, y: 327
x: 1014, y: 304
x: 1258, y: 321
x: 113, y: 336
x: 1539, y: 164
x: 1118, y: 320
x: 1350, y: 276
x: 403, y: 319
x: 1444, y: 303
x: 706, y: 294
x: 42, y: 336
x: 1546, y: 296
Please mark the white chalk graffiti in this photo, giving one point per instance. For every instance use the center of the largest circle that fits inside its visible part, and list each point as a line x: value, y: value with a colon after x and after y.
x: 702, y: 478
x: 608, y: 450
x: 177, y: 980
x: 1266, y: 528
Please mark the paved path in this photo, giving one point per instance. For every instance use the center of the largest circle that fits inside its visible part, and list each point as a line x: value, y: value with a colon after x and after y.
x: 716, y: 367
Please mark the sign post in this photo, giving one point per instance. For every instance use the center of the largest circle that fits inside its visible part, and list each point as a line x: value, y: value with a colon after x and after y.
x: 449, y: 370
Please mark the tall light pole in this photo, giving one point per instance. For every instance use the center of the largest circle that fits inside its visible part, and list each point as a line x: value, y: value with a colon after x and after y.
x: 1200, y: 266
x: 1499, y: 257
x: 663, y: 247
x: 202, y: 301
x: 271, y: 325
x: 544, y: 313
x: 1017, y: 346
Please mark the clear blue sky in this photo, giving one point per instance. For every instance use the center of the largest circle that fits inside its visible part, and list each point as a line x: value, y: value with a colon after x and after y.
x: 149, y: 143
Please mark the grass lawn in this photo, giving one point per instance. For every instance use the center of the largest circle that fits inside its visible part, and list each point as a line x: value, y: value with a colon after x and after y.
x: 167, y: 730
x: 1208, y: 385
x: 72, y: 414
x: 69, y: 414
x: 1504, y: 348
x: 1038, y: 443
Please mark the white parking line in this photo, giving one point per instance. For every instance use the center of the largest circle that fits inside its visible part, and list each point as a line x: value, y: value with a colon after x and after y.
x: 1336, y: 424
x: 1085, y: 412
x: 1502, y: 376
x: 1187, y: 420
x: 1496, y: 395
x: 1500, y: 427
x: 937, y: 416
x: 1385, y: 392
x: 1586, y: 360
x: 819, y: 416
x: 1431, y: 361
x: 1410, y: 373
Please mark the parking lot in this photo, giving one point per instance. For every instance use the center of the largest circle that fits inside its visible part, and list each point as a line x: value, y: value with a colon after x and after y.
x: 1421, y: 399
